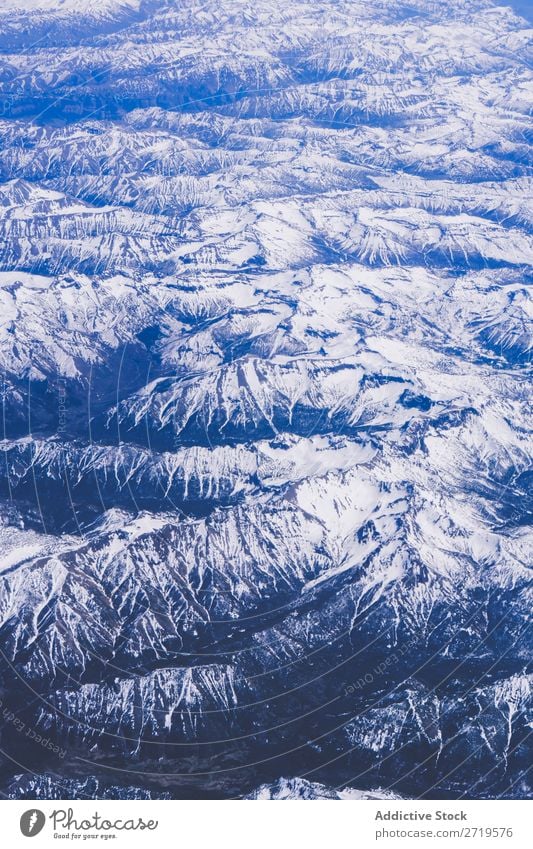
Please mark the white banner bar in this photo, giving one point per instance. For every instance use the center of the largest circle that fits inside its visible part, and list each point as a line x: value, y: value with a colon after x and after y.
x: 263, y: 825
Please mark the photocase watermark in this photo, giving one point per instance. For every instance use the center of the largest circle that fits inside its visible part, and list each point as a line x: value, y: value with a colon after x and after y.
x: 31, y: 733
x: 379, y: 669
x: 61, y: 405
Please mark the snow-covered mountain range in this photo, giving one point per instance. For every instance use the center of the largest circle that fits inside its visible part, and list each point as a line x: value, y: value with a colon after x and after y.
x: 265, y: 337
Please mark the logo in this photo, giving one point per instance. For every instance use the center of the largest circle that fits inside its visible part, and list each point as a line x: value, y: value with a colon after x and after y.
x: 64, y: 819
x: 32, y: 822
